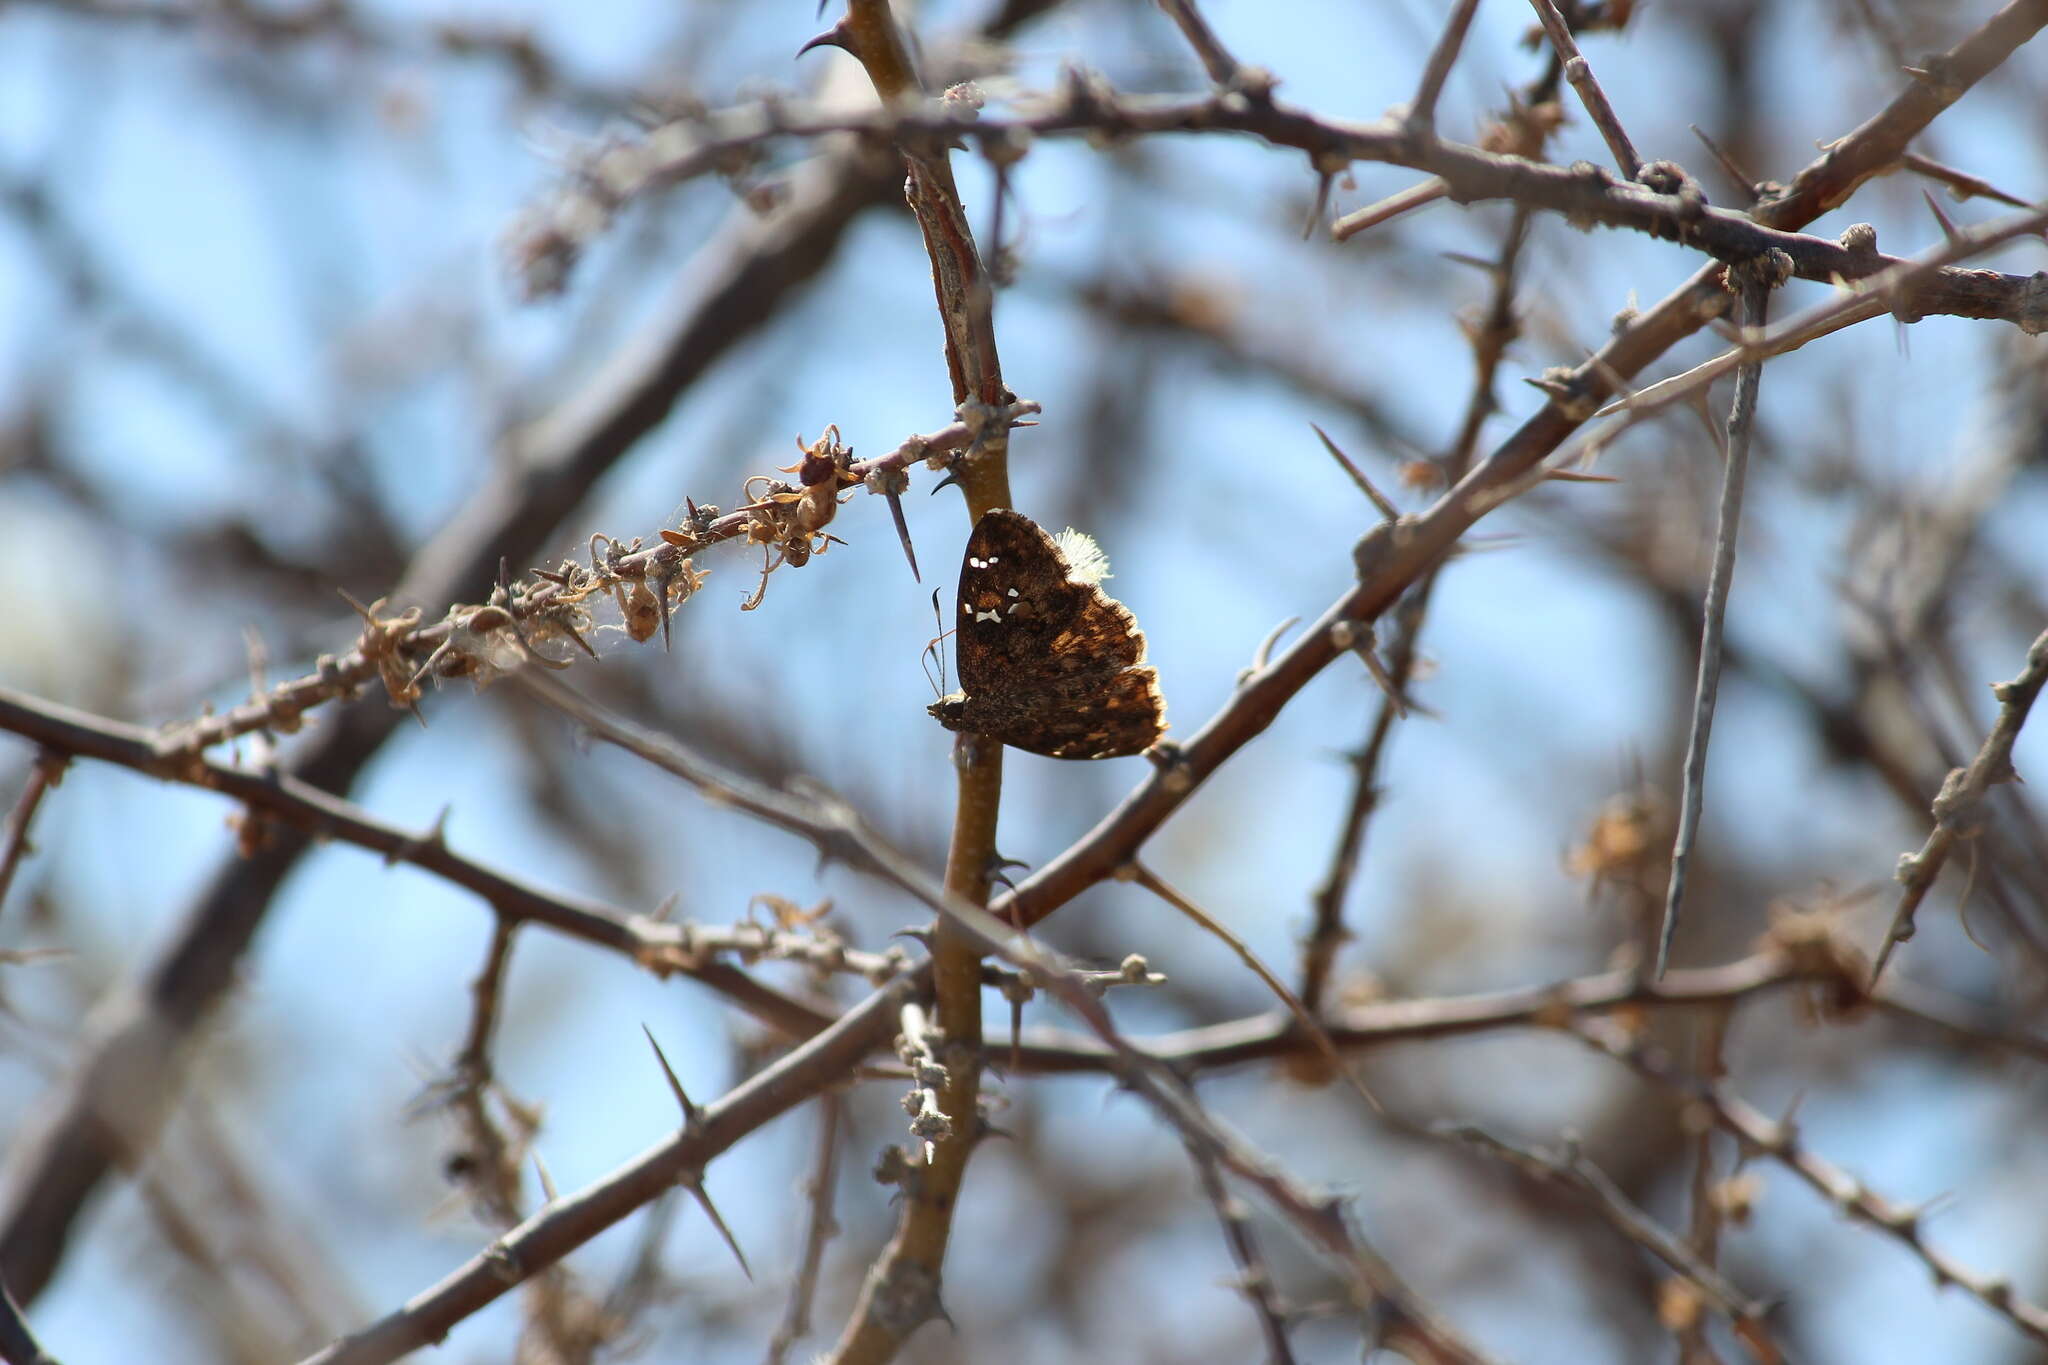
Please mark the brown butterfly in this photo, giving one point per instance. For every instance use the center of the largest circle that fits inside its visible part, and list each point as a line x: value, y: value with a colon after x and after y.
x: 1049, y: 663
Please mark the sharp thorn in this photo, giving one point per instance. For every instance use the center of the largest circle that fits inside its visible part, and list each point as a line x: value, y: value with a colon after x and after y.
x: 689, y: 1109
x: 903, y: 534
x: 838, y: 36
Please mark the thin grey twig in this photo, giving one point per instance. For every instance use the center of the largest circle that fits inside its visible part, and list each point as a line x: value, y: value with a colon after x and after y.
x: 284, y: 800
x: 1225, y: 70
x: 1579, y: 72
x: 1758, y: 280
x: 494, y: 1156
x: 1273, y: 1035
x: 1961, y: 792
x: 1422, y: 109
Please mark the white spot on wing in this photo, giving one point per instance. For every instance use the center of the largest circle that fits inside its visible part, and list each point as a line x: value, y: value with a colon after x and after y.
x: 980, y: 616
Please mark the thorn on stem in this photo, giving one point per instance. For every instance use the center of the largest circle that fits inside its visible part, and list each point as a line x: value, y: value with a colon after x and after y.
x: 1386, y: 508
x: 674, y: 1085
x: 840, y: 35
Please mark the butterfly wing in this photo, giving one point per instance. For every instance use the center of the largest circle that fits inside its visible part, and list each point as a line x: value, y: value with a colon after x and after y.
x: 1016, y: 601
x: 1094, y: 717
x: 1047, y: 664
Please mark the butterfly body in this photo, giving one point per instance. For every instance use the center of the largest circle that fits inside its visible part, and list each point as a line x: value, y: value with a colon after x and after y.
x: 1049, y: 663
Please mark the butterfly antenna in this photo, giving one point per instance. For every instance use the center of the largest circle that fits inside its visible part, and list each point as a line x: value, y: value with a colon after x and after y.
x: 932, y: 650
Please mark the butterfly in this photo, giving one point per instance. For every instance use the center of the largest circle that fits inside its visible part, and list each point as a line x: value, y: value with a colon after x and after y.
x: 1049, y: 663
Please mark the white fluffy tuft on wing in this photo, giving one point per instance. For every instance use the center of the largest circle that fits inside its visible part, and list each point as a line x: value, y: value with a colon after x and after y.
x: 1085, y: 561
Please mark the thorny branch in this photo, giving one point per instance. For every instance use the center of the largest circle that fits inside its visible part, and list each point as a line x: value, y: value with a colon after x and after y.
x: 288, y: 801
x: 1667, y: 205
x: 521, y: 628
x: 903, y: 1290
x: 1573, y: 1168
x: 1255, y: 1274
x: 1781, y: 1142
x: 839, y: 833
x: 551, y: 610
x: 1872, y: 297
x: 831, y: 1053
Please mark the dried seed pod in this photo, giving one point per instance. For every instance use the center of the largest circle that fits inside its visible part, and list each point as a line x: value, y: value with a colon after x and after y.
x: 643, y: 612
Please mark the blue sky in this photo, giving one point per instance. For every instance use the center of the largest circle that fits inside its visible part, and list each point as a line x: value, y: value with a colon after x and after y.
x: 335, y: 257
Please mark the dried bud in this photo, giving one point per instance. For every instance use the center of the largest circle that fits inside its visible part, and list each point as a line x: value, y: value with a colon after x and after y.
x: 643, y: 613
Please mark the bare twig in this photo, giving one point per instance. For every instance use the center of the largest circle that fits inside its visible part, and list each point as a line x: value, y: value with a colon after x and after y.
x: 902, y: 1290
x: 1273, y: 1035
x: 820, y: 1229
x: 1779, y: 1140
x: 1961, y: 183
x: 493, y: 1159
x: 1758, y: 280
x: 1579, y: 72
x: 1421, y: 116
x: 45, y: 773
x: 1574, y: 1169
x: 1962, y: 791
x: 1586, y: 196
x: 1889, y: 291
x: 1254, y: 1274
x: 1305, y: 1021
x: 1225, y: 70
x: 283, y: 800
